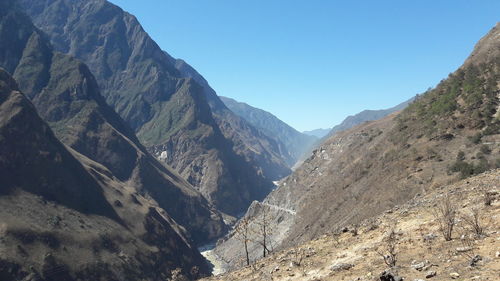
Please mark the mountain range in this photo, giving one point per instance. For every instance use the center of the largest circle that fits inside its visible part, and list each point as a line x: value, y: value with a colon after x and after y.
x: 319, y: 133
x: 120, y: 162
x: 170, y: 107
x: 293, y: 144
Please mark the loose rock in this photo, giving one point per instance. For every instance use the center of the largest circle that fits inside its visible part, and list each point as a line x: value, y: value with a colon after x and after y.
x: 388, y: 275
x: 341, y: 266
x: 430, y: 274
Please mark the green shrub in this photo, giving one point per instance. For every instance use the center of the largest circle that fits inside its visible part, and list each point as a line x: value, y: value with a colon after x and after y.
x: 485, y: 149
x: 465, y: 169
x: 476, y: 138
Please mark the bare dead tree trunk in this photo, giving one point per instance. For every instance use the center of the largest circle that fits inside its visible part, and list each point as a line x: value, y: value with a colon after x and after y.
x: 264, y: 231
x: 243, y: 234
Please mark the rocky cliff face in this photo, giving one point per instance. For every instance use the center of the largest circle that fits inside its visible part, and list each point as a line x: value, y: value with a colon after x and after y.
x: 293, y: 143
x: 448, y: 133
x: 169, y: 113
x: 65, y: 217
x: 68, y: 98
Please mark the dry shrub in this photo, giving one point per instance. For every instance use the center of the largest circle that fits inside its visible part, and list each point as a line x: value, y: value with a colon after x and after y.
x: 389, y: 251
x: 445, y: 213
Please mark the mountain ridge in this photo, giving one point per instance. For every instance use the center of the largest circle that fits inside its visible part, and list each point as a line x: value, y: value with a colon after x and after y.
x: 293, y: 142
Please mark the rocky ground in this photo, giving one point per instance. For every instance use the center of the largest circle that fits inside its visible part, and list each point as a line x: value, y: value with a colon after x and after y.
x: 421, y: 251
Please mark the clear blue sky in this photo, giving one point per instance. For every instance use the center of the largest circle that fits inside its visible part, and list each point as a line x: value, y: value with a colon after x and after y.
x: 313, y: 62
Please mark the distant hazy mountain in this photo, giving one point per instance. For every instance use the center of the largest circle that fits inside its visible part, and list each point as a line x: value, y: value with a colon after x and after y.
x: 366, y: 115
x: 294, y: 143
x: 319, y: 133
x: 350, y: 122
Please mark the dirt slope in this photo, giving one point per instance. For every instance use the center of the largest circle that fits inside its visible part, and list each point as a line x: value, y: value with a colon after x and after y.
x: 419, y: 243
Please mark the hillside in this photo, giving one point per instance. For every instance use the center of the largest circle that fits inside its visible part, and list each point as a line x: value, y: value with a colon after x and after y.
x: 293, y: 142
x: 421, y: 251
x: 67, y: 96
x: 350, y: 122
x: 65, y: 217
x: 446, y: 134
x: 170, y: 113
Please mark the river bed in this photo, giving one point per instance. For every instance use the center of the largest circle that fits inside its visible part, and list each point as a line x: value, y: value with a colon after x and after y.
x: 216, y: 264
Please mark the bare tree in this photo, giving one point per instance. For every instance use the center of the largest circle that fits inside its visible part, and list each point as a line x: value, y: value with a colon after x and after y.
x: 473, y: 220
x: 243, y: 233
x: 389, y: 252
x: 445, y: 213
x: 299, y: 255
x: 264, y: 231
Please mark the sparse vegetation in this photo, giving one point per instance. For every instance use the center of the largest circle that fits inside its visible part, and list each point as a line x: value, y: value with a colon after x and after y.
x: 473, y: 220
x: 389, y: 251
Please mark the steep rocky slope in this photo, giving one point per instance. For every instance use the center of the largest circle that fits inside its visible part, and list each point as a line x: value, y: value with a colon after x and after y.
x: 266, y: 154
x: 68, y: 98
x: 293, y: 142
x: 421, y: 251
x: 170, y: 113
x: 448, y: 133
x: 65, y: 217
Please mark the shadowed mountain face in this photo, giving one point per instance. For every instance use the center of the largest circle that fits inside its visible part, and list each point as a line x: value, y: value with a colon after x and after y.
x: 448, y: 133
x: 293, y: 143
x: 34, y: 160
x: 65, y: 217
x: 68, y: 98
x: 169, y: 112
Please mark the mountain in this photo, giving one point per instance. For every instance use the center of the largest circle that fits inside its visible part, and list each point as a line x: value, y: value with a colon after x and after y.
x: 170, y: 114
x: 293, y: 143
x: 448, y: 133
x: 65, y: 217
x: 352, y: 121
x: 319, y: 133
x: 366, y: 115
x: 263, y: 152
x: 67, y: 96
